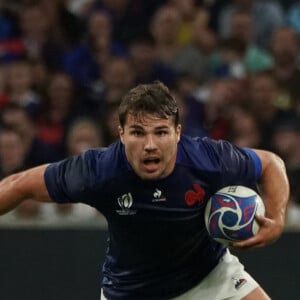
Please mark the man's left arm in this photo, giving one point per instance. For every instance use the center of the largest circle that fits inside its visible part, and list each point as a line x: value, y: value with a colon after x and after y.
x: 275, y: 193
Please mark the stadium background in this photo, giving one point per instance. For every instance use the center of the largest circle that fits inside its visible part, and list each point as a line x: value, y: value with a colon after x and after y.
x: 56, y: 252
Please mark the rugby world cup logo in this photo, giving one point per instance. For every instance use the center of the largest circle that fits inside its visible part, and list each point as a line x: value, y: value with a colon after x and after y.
x: 125, y: 202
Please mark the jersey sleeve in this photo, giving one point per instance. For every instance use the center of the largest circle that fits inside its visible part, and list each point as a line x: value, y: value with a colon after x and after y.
x: 236, y: 165
x: 73, y: 179
x: 256, y: 161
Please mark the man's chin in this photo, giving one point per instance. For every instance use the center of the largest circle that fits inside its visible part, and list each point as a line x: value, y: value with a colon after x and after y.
x: 150, y: 175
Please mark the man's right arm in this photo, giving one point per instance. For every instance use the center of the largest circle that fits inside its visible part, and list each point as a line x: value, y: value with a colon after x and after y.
x: 16, y: 188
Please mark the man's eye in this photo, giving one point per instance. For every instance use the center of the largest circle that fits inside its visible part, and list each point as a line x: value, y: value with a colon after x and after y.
x: 162, y: 132
x: 136, y: 133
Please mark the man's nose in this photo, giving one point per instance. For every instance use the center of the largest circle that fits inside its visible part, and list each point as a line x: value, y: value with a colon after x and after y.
x: 150, y: 144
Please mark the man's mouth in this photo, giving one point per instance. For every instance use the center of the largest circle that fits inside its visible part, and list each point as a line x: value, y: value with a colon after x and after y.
x: 152, y: 160
x: 151, y: 165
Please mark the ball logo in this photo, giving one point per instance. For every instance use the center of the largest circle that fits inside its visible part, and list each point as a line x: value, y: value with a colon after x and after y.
x: 230, y: 214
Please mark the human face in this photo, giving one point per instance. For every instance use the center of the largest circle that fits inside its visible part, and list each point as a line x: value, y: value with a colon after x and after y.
x: 150, y: 145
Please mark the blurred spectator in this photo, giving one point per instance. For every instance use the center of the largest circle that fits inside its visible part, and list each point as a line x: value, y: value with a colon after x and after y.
x: 84, y: 63
x: 4, y: 100
x: 37, y: 152
x: 11, y: 50
x: 66, y: 27
x: 194, y: 58
x: 60, y: 108
x: 146, y: 65
x: 264, y: 92
x: 165, y: 26
x: 20, y: 86
x: 13, y: 159
x: 230, y: 59
x: 12, y: 152
x: 40, y: 74
x: 286, y: 141
x: 39, y: 37
x: 117, y: 78
x: 187, y: 9
x: 82, y: 134
x: 244, y: 130
x: 8, y: 22
x: 293, y: 16
x: 267, y: 17
x: 129, y: 18
x: 80, y: 8
x: 210, y: 107
x: 215, y: 7
x: 224, y: 95
x: 186, y: 85
x: 285, y: 49
x: 10, y: 45
x: 110, y: 124
x: 191, y: 110
x: 255, y: 58
x: 182, y: 92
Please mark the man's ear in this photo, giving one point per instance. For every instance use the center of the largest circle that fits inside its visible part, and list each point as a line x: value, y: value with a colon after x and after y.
x: 121, y: 133
x: 178, y: 132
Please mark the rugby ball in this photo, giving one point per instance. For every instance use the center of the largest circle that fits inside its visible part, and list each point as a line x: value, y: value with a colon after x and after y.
x: 230, y: 214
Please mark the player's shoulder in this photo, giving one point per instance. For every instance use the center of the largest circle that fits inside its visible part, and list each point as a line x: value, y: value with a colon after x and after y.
x: 202, y: 144
x: 93, y: 167
x: 112, y: 155
x: 193, y: 150
x: 205, y: 144
x: 204, y: 151
x: 99, y: 165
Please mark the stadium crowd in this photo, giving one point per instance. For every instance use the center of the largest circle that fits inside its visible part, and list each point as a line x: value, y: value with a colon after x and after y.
x: 233, y: 67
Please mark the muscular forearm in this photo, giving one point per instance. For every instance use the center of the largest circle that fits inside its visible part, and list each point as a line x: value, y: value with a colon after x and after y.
x: 10, y: 196
x: 18, y: 187
x: 274, y: 187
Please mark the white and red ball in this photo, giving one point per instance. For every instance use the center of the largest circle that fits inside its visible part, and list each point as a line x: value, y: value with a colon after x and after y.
x: 230, y: 214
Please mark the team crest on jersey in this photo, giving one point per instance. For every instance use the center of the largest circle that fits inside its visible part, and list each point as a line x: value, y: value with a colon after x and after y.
x: 125, y: 202
x: 158, y: 196
x: 194, y: 196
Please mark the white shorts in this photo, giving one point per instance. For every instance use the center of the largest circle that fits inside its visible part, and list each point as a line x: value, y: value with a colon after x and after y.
x: 228, y: 280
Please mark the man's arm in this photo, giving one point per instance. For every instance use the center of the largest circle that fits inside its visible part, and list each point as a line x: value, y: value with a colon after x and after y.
x: 275, y: 194
x: 18, y: 187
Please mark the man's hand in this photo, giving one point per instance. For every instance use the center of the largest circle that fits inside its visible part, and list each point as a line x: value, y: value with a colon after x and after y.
x: 268, y: 233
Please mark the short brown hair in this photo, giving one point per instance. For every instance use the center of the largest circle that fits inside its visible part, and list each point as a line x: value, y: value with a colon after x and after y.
x: 154, y: 98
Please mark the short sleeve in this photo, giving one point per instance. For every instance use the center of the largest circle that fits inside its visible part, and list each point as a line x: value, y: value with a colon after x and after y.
x: 72, y: 180
x: 236, y: 165
x: 256, y: 161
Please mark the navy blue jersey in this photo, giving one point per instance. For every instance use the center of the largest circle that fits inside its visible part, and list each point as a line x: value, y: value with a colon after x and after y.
x: 158, y: 246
